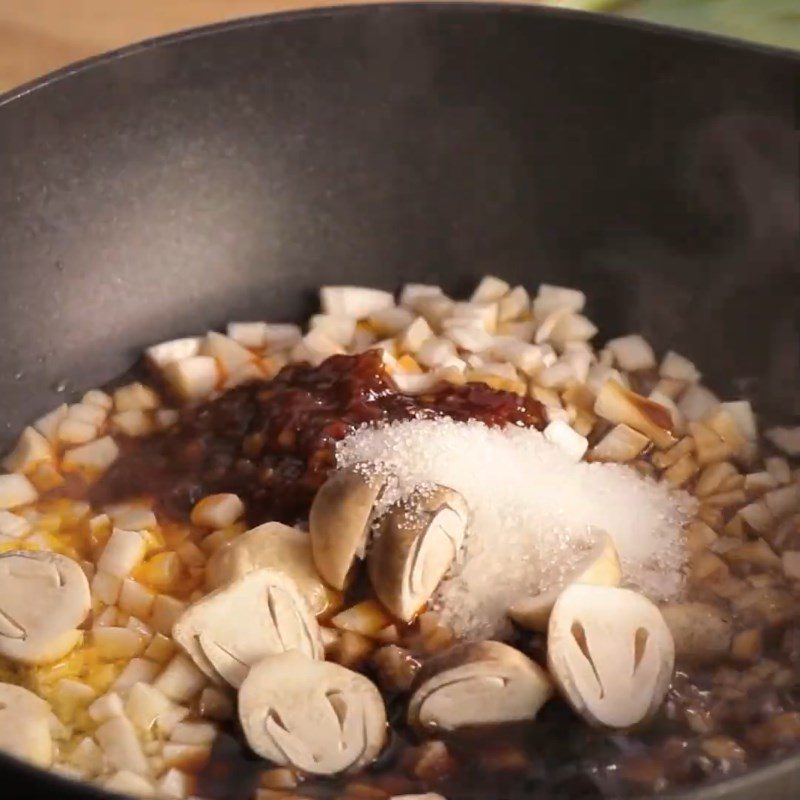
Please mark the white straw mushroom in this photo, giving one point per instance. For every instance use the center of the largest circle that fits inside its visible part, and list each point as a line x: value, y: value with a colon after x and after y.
x: 25, y: 726
x: 314, y: 716
x: 417, y: 541
x: 257, y: 615
x: 274, y: 545
x: 340, y: 521
x: 611, y: 654
x: 44, y: 597
x: 477, y: 683
x: 598, y: 566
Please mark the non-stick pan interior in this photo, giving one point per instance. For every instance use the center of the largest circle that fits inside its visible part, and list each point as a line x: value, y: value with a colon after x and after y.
x: 227, y: 174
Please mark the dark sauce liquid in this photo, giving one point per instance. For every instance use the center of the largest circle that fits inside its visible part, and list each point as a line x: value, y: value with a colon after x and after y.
x: 273, y: 444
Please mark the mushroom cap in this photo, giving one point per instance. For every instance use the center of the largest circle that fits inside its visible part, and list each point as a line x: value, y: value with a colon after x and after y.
x: 339, y: 522
x: 314, y: 716
x: 598, y: 566
x: 273, y: 545
x: 477, y: 683
x: 259, y: 614
x: 611, y: 654
x: 702, y: 632
x: 25, y: 725
x: 44, y: 597
x: 417, y: 541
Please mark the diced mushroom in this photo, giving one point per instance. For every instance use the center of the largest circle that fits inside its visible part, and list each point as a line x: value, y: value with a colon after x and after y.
x: 564, y: 437
x: 44, y: 597
x: 416, y: 543
x: 785, y: 439
x: 340, y: 520
x: 25, y: 726
x: 599, y: 566
x: 621, y: 444
x: 632, y: 353
x: 311, y: 715
x: 232, y: 628
x: 354, y: 301
x: 32, y: 448
x: 338, y: 329
x: 273, y: 545
x: 230, y: 355
x: 620, y: 405
x: 702, y: 632
x: 611, y: 653
x: 477, y: 683
x: 192, y: 378
x: 165, y: 353
x: 16, y: 490
x: 94, y: 457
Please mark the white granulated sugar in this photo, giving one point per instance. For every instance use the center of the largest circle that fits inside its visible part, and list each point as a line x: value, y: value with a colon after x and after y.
x: 532, y: 509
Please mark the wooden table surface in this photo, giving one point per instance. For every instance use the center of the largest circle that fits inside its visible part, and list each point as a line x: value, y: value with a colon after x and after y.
x: 37, y: 36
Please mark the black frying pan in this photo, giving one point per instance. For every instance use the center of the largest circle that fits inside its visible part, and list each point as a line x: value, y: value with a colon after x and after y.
x: 226, y: 173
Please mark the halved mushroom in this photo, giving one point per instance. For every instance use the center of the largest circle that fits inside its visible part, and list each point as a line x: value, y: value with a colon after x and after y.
x: 311, y: 715
x: 273, y: 545
x: 25, y: 721
x: 340, y: 521
x: 416, y: 543
x: 44, y: 597
x: 477, y: 683
x: 611, y: 653
x: 598, y: 566
x: 259, y: 614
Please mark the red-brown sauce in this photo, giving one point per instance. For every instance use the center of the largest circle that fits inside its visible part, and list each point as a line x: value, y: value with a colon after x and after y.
x: 272, y: 442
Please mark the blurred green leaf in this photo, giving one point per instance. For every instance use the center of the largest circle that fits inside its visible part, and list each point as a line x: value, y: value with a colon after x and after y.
x: 775, y: 22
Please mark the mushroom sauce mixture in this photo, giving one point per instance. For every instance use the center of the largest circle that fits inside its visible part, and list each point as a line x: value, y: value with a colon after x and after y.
x: 208, y: 588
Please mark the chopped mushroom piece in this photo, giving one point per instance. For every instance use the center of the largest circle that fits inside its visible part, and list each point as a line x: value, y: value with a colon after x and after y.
x: 340, y: 521
x: 311, y: 715
x: 620, y: 405
x: 611, y: 653
x: 417, y: 541
x: 44, y: 597
x: 232, y: 628
x: 702, y: 632
x: 477, y: 683
x: 25, y: 726
x: 274, y: 545
x: 599, y: 566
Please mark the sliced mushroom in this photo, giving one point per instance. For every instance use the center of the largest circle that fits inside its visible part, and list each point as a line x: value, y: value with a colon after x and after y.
x: 477, y: 683
x: 25, y: 725
x: 702, y: 632
x: 599, y: 566
x: 44, y: 597
x: 278, y: 547
x: 340, y: 520
x: 416, y: 543
x: 311, y: 715
x: 611, y: 653
x: 259, y: 614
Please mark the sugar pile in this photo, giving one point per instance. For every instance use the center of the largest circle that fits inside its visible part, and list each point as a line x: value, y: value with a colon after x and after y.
x: 532, y: 511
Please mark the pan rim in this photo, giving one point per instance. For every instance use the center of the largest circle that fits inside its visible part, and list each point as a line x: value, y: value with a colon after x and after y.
x: 748, y: 784
x: 643, y: 27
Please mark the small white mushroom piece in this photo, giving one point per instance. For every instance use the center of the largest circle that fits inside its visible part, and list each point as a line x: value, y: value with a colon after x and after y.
x: 611, y: 654
x: 340, y: 520
x: 599, y: 565
x: 259, y: 614
x: 25, y: 725
x: 278, y: 547
x: 477, y: 683
x: 44, y: 597
x: 315, y: 716
x: 417, y: 541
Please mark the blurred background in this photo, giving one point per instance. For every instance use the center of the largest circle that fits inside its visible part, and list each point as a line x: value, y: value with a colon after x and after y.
x: 37, y: 36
